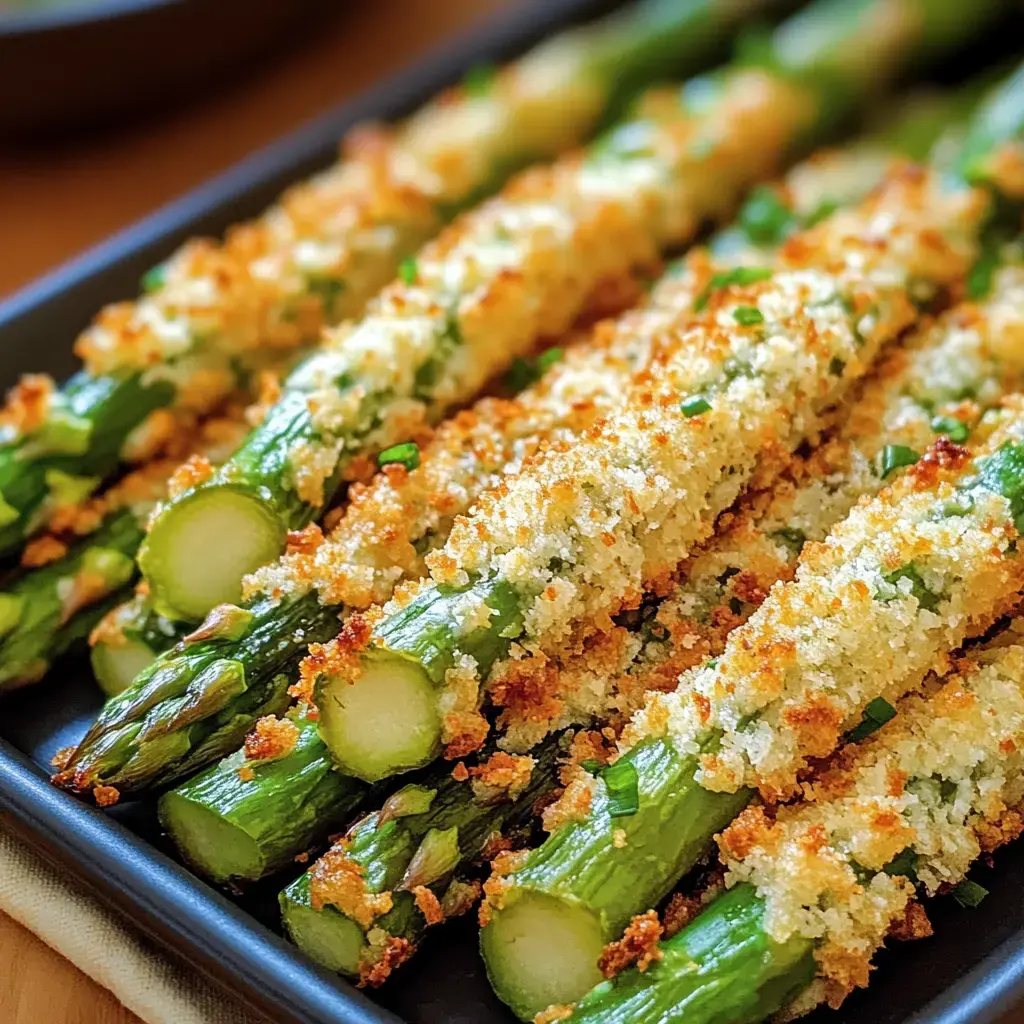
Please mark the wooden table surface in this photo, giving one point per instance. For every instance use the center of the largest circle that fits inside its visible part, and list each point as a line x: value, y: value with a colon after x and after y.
x: 58, y: 200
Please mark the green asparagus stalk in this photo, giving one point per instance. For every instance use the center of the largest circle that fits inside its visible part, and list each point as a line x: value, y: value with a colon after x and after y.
x: 71, y: 578
x: 722, y: 967
x: 906, y: 577
x: 53, y: 608
x: 258, y: 810
x: 127, y: 640
x: 366, y: 903
x: 911, y: 807
x: 324, y: 250
x: 361, y: 562
x: 432, y: 338
x: 577, y: 536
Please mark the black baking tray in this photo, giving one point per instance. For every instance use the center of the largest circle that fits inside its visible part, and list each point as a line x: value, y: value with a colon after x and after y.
x: 970, y: 972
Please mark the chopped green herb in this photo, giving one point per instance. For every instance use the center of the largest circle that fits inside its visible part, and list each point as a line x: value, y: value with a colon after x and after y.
x: 836, y: 366
x: 727, y: 278
x: 925, y: 598
x: 479, y: 80
x: 694, y: 406
x: 969, y: 894
x: 954, y: 429
x: 823, y: 210
x: 711, y: 663
x: 548, y: 359
x: 979, y: 280
x: 622, y: 783
x: 407, y: 270
x: 765, y: 218
x: 524, y: 372
x: 876, y: 714
x: 407, y: 454
x: 895, y: 456
x: 748, y: 316
x: 904, y: 863
x: 154, y: 278
x: 793, y: 539
x: 591, y: 766
x: 328, y: 289
x: 521, y: 374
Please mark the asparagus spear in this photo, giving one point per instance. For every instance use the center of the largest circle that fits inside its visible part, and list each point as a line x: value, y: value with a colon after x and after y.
x: 911, y: 807
x: 431, y: 339
x: 127, y: 640
x: 261, y: 808
x: 366, y: 903
x: 389, y: 528
x: 578, y: 535
x: 70, y: 578
x: 53, y: 608
x: 324, y: 250
x: 904, y: 579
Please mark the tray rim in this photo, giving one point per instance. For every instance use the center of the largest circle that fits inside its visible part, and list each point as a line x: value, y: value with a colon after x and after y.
x: 201, y: 926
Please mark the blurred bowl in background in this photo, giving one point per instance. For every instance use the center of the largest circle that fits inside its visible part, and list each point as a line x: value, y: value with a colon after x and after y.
x: 69, y: 64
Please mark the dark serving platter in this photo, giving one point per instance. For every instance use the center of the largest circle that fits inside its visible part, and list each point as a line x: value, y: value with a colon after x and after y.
x: 970, y: 972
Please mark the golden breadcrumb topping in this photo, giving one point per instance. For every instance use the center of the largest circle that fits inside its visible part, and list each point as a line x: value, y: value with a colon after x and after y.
x: 271, y: 737
x: 914, y: 394
x: 903, y: 580
x: 584, y: 528
x: 945, y: 772
x: 638, y: 945
x: 338, y: 880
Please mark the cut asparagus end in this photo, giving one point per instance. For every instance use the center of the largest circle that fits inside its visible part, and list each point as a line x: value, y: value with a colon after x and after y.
x: 327, y: 936
x: 115, y: 666
x: 208, y: 841
x: 199, y: 549
x: 385, y: 722
x: 541, y: 951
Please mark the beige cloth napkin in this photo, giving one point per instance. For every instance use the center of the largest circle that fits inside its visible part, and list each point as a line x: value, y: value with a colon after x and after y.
x: 153, y: 985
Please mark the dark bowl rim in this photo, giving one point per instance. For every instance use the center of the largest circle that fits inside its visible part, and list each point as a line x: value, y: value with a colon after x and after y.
x: 74, y: 13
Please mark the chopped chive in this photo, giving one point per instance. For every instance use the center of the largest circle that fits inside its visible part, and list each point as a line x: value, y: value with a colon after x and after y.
x: 737, y: 276
x: 406, y: 454
x: 328, y: 289
x: 154, y: 278
x: 765, y: 218
x: 876, y: 714
x: 968, y: 893
x: 748, y: 316
x: 925, y: 598
x: 904, y: 863
x: 407, y: 270
x: 979, y: 280
x: 792, y: 538
x: 548, y: 359
x: 524, y: 372
x: 824, y: 210
x: 954, y: 429
x: 479, y: 80
x: 694, y: 406
x: 622, y: 783
x: 896, y: 456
